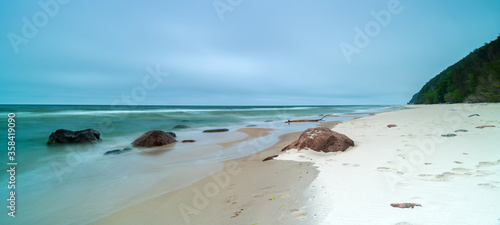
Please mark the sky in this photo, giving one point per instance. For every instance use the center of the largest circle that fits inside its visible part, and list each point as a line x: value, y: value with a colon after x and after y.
x: 233, y: 52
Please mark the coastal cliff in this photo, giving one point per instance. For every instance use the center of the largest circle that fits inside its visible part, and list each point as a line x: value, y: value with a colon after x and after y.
x: 475, y: 78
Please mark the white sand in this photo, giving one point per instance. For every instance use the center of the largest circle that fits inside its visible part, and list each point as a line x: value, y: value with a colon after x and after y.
x: 456, y: 179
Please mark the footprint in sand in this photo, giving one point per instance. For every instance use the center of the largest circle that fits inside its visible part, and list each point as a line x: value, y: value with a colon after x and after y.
x: 297, y: 214
x: 257, y: 195
x: 488, y: 185
x: 231, y: 187
x: 237, y: 213
x: 481, y: 173
x: 284, y: 195
x: 351, y: 165
x: 485, y: 164
x: 385, y: 169
x: 446, y: 176
x: 464, y: 170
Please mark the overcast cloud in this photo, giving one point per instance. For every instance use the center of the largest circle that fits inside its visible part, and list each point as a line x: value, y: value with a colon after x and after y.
x: 261, y: 53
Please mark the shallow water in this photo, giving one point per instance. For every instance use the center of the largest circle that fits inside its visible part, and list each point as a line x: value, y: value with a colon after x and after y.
x: 79, y: 184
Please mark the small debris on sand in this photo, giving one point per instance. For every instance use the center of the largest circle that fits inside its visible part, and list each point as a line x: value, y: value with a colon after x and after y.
x: 405, y: 205
x: 481, y: 127
x: 270, y: 158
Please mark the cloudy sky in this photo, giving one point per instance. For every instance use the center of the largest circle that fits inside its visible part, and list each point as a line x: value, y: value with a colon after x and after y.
x: 233, y: 52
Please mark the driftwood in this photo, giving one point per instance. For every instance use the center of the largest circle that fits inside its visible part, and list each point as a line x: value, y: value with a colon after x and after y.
x: 301, y: 121
x: 310, y: 120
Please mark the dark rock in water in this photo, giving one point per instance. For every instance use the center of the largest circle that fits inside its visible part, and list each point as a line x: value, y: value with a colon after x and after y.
x: 188, y: 141
x: 63, y: 136
x: 392, y: 125
x: 118, y: 151
x: 270, y: 158
x: 181, y: 127
x: 448, y: 135
x: 154, y: 138
x: 321, y: 115
x: 252, y: 125
x: 267, y: 121
x: 461, y: 130
x: 113, y: 152
x: 215, y: 130
x: 172, y: 134
x: 321, y: 139
x: 183, y: 121
x: 473, y: 115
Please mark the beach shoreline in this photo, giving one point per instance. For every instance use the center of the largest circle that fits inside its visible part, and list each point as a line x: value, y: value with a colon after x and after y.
x: 356, y: 186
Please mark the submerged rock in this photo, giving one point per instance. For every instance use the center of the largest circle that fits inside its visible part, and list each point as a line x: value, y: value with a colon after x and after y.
x: 63, y: 136
x: 154, y: 138
x: 448, y: 135
x: 473, y: 115
x: 172, y: 134
x: 188, y: 141
x: 181, y: 127
x: 118, y: 151
x: 461, y: 130
x: 321, y: 139
x: 216, y: 130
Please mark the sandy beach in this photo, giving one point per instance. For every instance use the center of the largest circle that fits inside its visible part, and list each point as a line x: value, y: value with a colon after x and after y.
x: 454, y: 177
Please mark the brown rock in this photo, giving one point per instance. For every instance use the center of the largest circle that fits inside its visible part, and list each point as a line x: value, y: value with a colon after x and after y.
x: 154, y: 138
x: 481, y: 127
x: 392, y: 125
x: 269, y: 158
x: 321, y: 139
x: 188, y: 141
x: 405, y: 205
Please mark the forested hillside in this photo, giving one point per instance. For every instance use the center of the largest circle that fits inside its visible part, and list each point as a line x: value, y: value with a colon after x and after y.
x: 475, y: 78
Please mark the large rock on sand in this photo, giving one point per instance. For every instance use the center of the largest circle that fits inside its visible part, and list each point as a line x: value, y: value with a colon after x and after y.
x: 321, y: 139
x: 63, y: 136
x: 154, y: 138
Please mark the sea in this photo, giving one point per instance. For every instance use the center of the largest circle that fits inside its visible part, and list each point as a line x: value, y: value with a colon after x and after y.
x: 78, y: 184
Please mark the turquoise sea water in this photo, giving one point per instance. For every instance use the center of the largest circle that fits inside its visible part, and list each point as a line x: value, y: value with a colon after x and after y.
x: 81, y: 184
